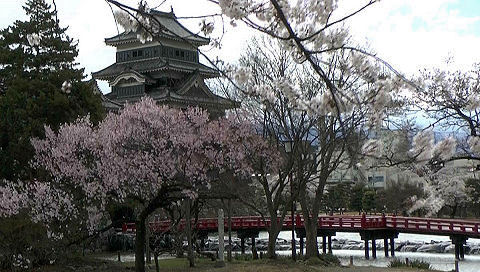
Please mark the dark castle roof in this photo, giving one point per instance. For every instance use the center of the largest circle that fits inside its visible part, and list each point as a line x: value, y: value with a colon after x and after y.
x: 152, y: 65
x: 170, y: 29
x: 191, y: 92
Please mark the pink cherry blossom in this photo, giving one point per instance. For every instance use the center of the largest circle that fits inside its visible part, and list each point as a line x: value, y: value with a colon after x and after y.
x: 133, y: 155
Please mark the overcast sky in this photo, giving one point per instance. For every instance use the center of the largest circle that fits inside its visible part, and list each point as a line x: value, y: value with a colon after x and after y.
x: 410, y: 34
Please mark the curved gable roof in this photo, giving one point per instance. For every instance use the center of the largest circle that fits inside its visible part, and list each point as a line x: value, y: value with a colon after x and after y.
x: 171, y: 29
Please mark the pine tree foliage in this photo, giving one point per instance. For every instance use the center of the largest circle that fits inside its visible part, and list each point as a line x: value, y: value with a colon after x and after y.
x: 31, y: 79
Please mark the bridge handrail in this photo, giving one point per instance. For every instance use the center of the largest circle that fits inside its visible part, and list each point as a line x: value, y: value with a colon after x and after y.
x: 433, y: 224
x: 416, y: 224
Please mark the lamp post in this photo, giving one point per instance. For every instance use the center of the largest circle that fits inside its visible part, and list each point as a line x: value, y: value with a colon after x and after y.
x: 289, y: 149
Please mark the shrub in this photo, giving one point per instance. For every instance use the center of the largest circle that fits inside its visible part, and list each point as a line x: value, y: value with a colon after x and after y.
x: 323, y: 260
x: 420, y: 264
x: 120, y: 241
x: 243, y: 257
x: 24, y: 244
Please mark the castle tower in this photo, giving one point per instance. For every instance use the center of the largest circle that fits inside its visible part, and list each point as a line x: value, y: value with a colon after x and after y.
x: 167, y: 69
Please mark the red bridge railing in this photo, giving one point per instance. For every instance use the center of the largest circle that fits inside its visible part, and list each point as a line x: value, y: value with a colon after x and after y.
x: 336, y: 222
x: 433, y: 225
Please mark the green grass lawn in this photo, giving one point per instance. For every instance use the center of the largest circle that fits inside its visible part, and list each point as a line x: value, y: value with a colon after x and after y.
x: 93, y: 263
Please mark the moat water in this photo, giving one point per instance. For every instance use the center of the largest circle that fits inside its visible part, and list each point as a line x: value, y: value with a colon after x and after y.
x: 438, y: 261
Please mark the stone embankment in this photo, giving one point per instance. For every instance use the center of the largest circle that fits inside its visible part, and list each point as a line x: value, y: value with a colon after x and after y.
x: 126, y: 241
x: 345, y: 244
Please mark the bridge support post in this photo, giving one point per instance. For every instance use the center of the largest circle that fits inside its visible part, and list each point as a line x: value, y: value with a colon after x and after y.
x: 242, y: 245
x: 301, y: 246
x: 202, y: 235
x: 385, y: 247
x: 326, y: 235
x: 254, y: 248
x: 330, y: 244
x: 459, y: 241
x: 374, y: 249
x: 457, y: 252
x: 246, y: 233
x: 301, y: 234
x: 375, y: 234
x: 462, y: 252
x: 324, y: 244
x: 367, y: 251
x: 392, y: 247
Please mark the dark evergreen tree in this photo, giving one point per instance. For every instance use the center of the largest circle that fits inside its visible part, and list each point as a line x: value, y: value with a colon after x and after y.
x: 337, y: 197
x: 31, y: 79
x: 473, y: 192
x: 369, y: 200
x: 356, y: 197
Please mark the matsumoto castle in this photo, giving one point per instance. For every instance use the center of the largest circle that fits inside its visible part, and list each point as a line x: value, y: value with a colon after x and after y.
x: 166, y: 69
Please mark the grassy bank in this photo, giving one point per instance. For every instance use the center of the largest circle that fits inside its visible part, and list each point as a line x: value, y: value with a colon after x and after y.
x: 92, y: 263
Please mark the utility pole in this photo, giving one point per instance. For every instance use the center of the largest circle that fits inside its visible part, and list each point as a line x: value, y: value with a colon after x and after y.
x: 289, y: 150
x: 294, y: 249
x: 221, y: 243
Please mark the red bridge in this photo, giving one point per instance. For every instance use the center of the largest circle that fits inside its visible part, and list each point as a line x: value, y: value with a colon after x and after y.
x: 369, y: 227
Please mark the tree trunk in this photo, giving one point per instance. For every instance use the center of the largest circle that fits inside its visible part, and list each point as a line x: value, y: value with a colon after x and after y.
x: 140, y: 238
x: 191, y: 258
x: 229, y: 252
x: 157, y: 267
x: 454, y: 211
x: 273, y: 232
x: 311, y: 244
x: 147, y: 244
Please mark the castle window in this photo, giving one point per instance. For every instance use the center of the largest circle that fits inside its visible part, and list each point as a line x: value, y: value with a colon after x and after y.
x: 134, y: 54
x: 119, y: 57
x: 127, y: 91
x: 140, y: 53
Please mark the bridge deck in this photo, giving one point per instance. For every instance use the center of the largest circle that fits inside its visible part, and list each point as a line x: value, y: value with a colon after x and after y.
x: 339, y: 223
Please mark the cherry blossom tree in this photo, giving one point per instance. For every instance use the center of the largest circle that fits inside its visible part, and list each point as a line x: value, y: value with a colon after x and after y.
x: 443, y: 188
x: 310, y: 31
x: 323, y: 140
x: 149, y: 154
x: 450, y: 101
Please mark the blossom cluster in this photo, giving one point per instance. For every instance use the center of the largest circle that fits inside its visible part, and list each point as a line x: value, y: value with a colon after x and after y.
x: 443, y: 188
x: 66, y: 87
x: 424, y: 147
x: 473, y: 103
x: 11, y: 199
x: 131, y: 155
x: 34, y: 39
x: 372, y: 148
x: 141, y: 23
x: 474, y: 143
x: 308, y: 29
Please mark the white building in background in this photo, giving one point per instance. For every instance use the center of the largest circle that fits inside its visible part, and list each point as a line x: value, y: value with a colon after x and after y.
x: 376, y: 178
x: 383, y: 177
